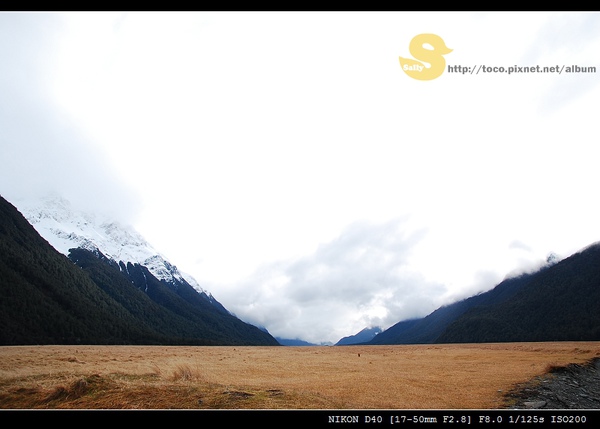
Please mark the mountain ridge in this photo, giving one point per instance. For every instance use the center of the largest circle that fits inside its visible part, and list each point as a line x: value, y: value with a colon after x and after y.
x: 88, y: 298
x: 553, y: 303
x: 65, y: 227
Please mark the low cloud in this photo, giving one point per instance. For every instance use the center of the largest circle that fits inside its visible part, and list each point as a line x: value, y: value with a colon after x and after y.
x: 361, y: 278
x: 43, y: 149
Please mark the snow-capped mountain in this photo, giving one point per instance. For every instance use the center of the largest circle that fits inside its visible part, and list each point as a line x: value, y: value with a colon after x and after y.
x: 65, y: 228
x: 111, y: 288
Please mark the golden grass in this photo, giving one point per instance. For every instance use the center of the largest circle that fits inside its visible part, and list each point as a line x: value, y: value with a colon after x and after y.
x: 465, y: 376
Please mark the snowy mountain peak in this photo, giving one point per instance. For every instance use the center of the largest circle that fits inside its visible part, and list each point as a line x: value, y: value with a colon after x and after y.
x: 65, y: 228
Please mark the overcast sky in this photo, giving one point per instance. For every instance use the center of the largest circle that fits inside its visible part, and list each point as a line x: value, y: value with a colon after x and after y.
x: 289, y: 164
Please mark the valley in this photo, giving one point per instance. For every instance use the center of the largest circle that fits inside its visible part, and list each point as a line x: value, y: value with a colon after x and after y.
x: 432, y: 376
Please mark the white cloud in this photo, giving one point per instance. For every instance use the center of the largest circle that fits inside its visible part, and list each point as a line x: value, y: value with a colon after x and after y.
x: 249, y: 147
x: 361, y: 278
x: 44, y: 150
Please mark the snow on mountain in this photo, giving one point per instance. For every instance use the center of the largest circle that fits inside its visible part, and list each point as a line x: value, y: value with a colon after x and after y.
x: 65, y: 228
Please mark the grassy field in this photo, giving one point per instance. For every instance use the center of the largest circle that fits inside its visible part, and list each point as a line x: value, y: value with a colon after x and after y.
x: 466, y: 376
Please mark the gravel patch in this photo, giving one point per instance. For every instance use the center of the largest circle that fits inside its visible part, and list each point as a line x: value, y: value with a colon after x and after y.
x: 570, y: 387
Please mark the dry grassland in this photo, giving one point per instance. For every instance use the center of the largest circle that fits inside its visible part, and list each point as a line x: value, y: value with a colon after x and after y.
x: 466, y: 376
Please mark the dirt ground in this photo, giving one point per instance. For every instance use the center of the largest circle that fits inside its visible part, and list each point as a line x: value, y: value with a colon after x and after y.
x: 462, y: 376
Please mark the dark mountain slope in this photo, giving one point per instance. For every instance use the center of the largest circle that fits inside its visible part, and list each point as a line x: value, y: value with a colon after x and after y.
x: 180, y: 314
x: 47, y: 299
x: 428, y: 329
x: 560, y: 303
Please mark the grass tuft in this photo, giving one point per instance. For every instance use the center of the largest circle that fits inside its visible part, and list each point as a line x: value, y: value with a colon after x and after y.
x: 184, y: 372
x: 75, y: 390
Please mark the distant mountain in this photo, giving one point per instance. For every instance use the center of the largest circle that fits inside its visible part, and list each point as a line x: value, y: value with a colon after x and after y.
x: 91, y: 297
x: 363, y: 336
x: 290, y: 342
x: 557, y: 303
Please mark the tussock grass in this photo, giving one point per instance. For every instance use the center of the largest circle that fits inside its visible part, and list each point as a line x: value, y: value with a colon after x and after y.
x: 185, y: 372
x: 77, y: 389
x: 353, y: 377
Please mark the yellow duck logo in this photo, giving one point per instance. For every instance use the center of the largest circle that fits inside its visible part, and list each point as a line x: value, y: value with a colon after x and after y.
x: 434, y: 57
